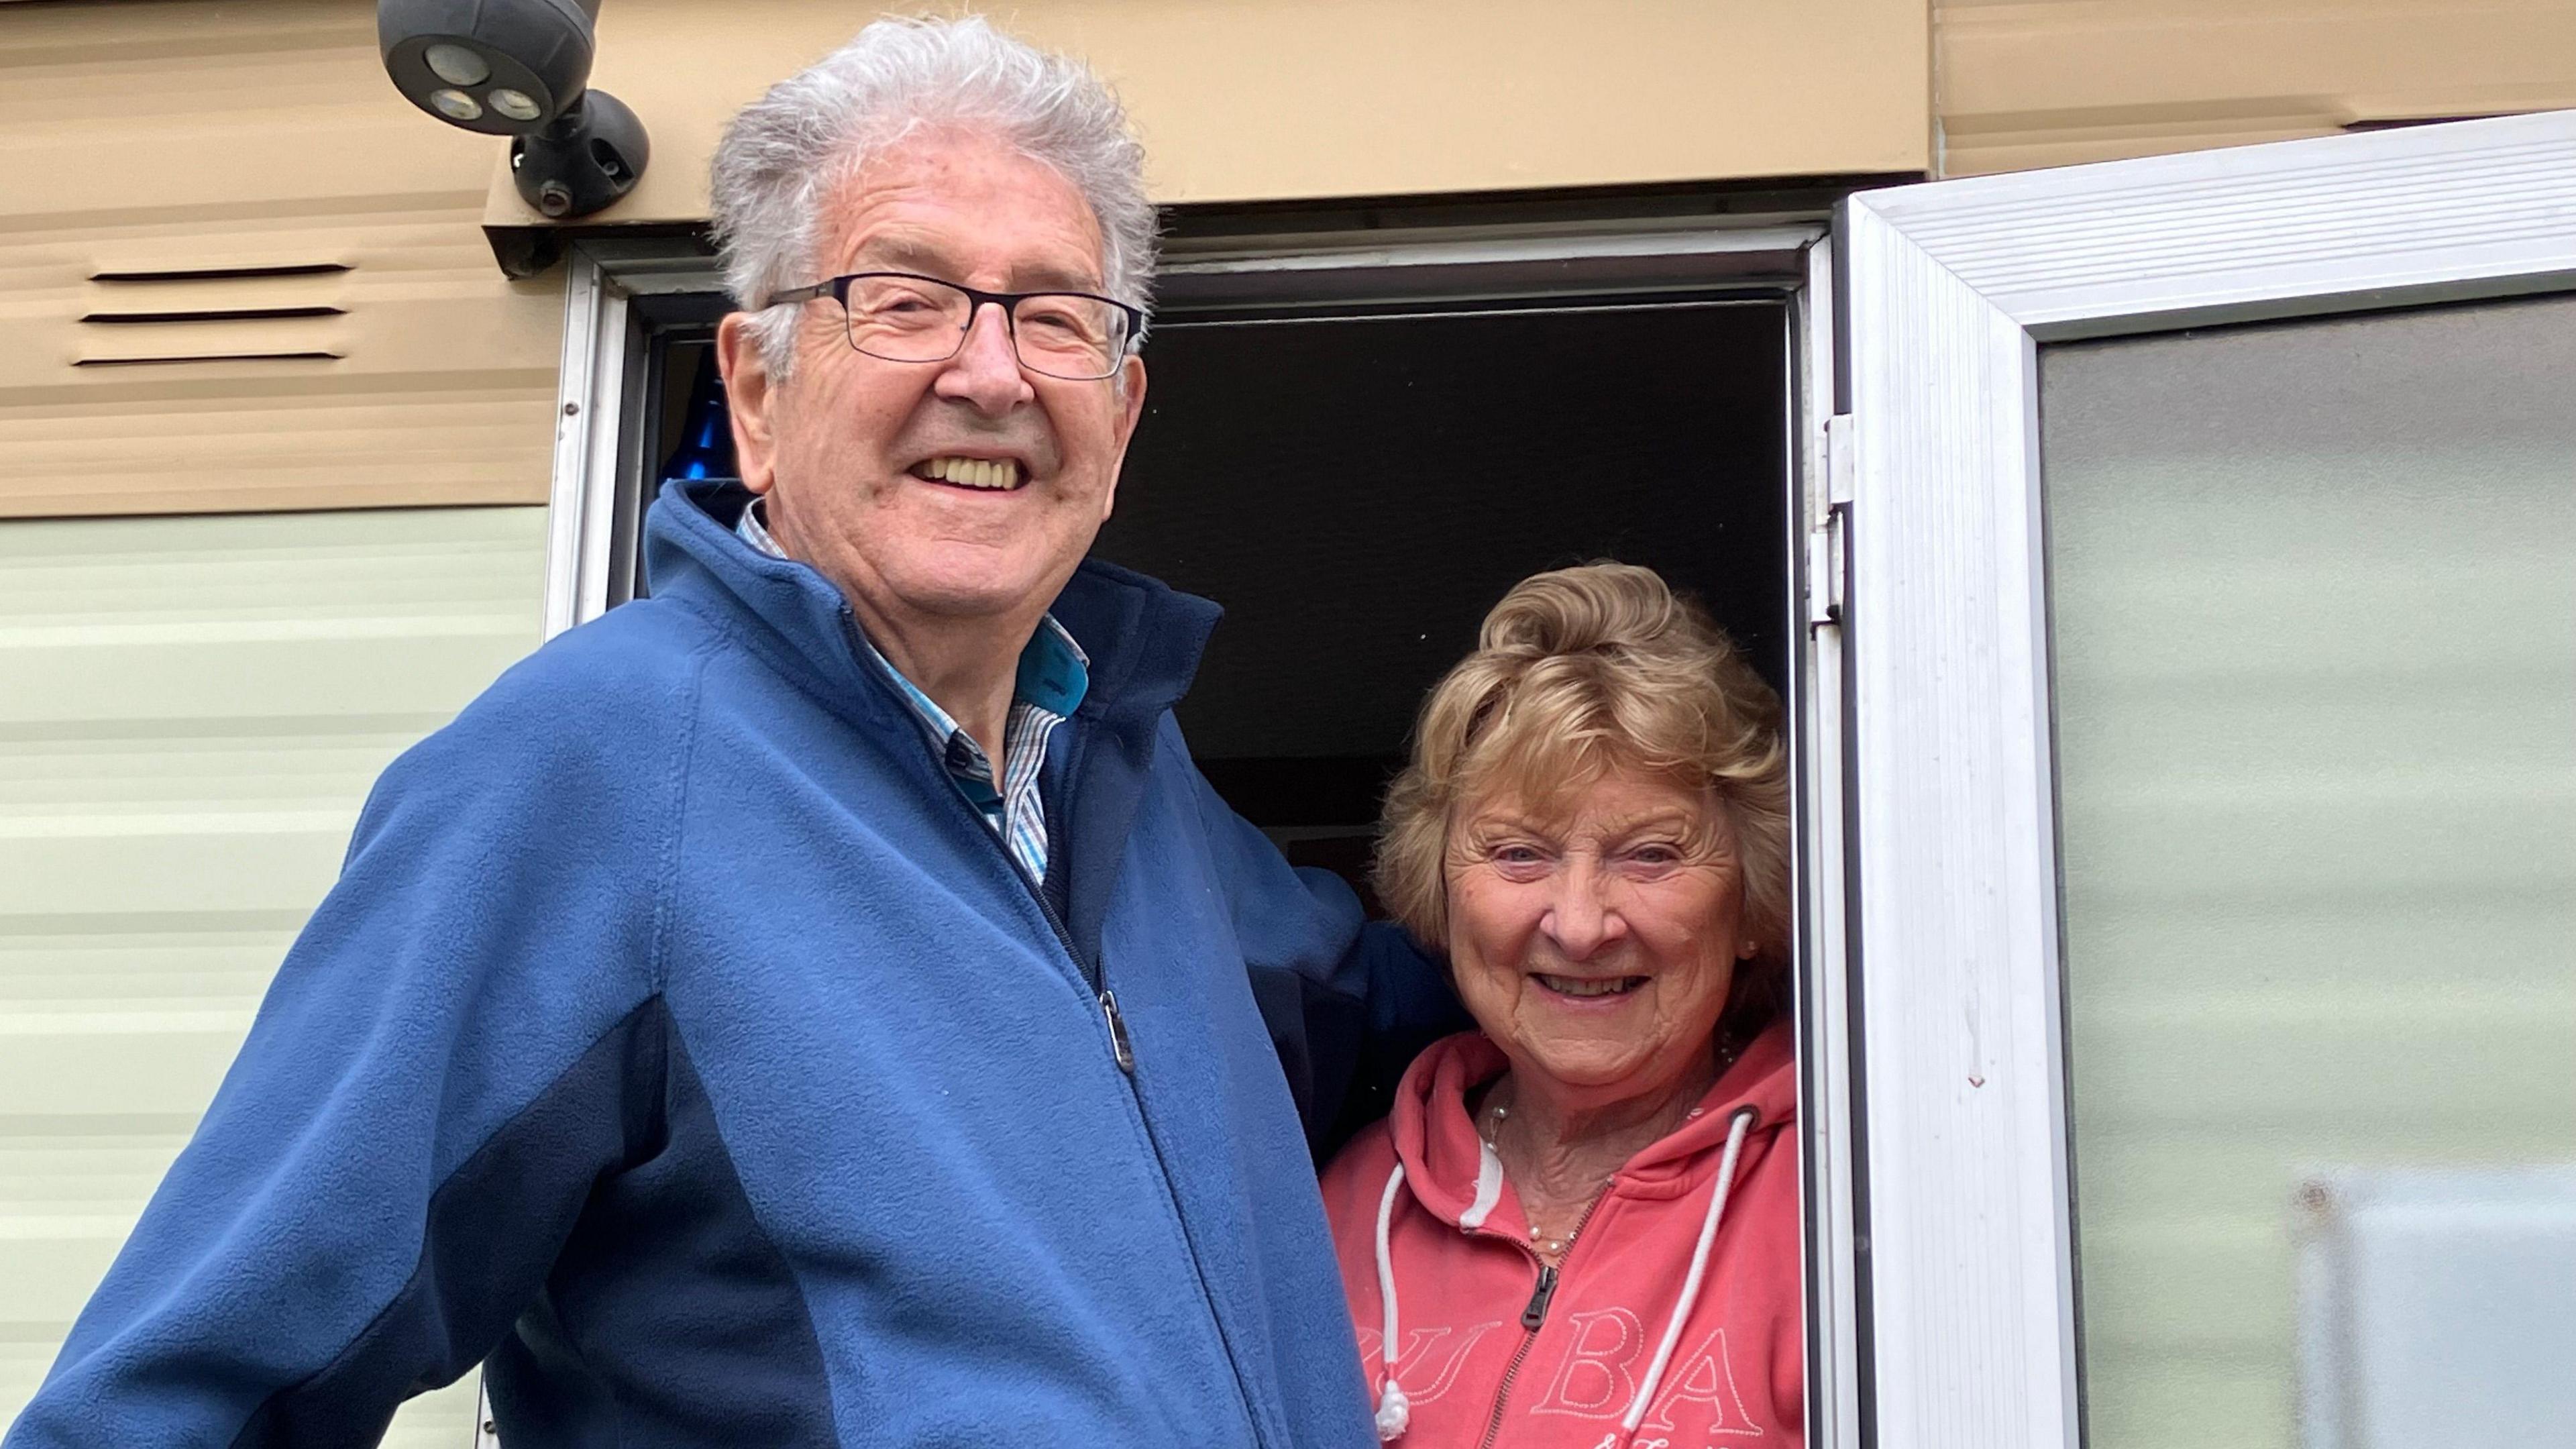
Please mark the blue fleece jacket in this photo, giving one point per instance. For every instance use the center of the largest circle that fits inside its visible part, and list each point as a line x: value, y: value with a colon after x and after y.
x: 679, y: 1038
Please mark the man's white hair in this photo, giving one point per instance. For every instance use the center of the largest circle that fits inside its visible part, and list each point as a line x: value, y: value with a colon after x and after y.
x: 785, y: 155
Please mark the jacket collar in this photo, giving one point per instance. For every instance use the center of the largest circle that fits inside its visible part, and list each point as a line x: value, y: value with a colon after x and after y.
x: 1143, y: 638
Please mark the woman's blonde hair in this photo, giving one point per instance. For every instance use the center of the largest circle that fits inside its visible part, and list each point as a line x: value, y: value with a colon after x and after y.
x: 1580, y: 670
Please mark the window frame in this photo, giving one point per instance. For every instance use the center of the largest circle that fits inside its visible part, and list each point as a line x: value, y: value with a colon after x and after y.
x: 1951, y: 288
x: 1787, y: 254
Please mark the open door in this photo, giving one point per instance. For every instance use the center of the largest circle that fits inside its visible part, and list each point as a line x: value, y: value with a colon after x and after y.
x: 2212, y: 631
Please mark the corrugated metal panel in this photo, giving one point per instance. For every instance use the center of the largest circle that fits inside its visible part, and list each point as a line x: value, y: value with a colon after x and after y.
x: 2023, y: 83
x: 194, y: 710
x: 238, y: 272
x: 2314, y: 597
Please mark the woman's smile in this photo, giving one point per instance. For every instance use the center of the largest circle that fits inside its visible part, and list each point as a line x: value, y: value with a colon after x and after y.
x: 1589, y: 988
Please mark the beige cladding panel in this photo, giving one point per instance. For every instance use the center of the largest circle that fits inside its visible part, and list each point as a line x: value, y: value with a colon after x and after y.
x: 361, y: 350
x: 2026, y: 83
x: 239, y: 273
x: 1298, y: 99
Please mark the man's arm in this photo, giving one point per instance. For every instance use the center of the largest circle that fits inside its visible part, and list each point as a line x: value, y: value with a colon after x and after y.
x: 1349, y: 1002
x: 437, y: 1076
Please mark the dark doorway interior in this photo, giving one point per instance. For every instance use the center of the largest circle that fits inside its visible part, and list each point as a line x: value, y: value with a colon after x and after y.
x: 1358, y: 487
x: 1357, y: 490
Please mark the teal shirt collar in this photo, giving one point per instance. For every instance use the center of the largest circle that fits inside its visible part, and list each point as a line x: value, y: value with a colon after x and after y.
x: 1054, y: 673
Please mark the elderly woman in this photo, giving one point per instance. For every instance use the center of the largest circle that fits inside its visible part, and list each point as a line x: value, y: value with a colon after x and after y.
x: 1579, y: 1228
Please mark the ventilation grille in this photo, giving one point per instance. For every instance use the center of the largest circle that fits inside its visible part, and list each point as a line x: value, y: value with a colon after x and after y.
x: 143, y: 317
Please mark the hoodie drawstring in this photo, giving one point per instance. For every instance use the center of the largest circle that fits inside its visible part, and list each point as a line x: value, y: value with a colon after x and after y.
x: 1395, y: 1411
x: 1698, y: 1269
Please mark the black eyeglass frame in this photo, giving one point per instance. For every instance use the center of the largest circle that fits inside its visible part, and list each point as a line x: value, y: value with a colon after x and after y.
x: 838, y: 289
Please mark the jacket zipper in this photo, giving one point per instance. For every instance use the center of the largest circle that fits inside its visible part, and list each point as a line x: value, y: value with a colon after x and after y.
x: 1122, y: 1051
x: 1533, y: 1317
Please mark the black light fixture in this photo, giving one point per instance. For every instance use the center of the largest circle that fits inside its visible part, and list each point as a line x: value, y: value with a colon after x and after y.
x: 519, y: 68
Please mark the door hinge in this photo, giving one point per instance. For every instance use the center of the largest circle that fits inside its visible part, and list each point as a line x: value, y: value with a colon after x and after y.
x: 1828, y: 542
x: 1840, y: 463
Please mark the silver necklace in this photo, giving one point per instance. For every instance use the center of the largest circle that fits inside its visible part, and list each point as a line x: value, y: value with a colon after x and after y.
x: 1557, y: 1245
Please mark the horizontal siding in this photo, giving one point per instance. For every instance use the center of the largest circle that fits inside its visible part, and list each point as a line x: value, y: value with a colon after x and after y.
x: 2314, y: 596
x: 1294, y: 100
x: 194, y: 712
x: 2024, y: 83
x: 390, y: 364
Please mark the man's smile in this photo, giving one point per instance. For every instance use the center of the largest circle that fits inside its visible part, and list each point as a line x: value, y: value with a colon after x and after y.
x: 991, y: 475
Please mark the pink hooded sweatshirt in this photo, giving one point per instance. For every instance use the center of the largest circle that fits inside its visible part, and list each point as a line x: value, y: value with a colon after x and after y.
x: 1673, y: 1323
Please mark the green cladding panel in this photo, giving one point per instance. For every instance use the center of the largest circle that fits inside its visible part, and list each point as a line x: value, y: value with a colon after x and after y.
x: 191, y: 713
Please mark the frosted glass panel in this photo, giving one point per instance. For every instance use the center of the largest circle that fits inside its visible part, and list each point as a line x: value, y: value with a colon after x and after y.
x: 2313, y: 609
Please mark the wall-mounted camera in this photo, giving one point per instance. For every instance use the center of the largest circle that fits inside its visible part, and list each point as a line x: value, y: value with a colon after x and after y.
x: 519, y: 68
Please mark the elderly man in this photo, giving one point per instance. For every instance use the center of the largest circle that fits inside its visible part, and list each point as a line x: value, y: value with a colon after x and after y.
x: 821, y: 1004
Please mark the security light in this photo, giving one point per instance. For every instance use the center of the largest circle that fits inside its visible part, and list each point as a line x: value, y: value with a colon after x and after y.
x: 519, y: 68
x: 458, y: 65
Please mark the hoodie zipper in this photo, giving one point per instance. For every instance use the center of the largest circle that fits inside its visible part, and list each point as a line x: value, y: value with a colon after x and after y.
x: 1533, y: 1317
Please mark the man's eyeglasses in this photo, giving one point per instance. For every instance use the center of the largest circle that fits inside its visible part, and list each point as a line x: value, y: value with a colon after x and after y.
x: 906, y: 317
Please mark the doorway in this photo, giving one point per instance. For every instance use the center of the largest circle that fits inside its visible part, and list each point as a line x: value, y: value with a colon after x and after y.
x: 1357, y: 454
x: 1358, y: 485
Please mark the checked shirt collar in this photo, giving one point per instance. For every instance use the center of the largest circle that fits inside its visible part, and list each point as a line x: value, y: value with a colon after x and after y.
x: 1053, y: 675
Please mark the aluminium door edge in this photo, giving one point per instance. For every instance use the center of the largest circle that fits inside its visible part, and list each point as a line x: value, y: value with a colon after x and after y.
x: 601, y: 277
x: 1817, y: 723
x: 580, y: 511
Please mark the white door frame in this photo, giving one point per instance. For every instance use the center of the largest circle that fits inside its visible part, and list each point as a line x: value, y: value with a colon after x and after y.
x: 1789, y: 252
x: 1951, y: 288
x: 602, y: 276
